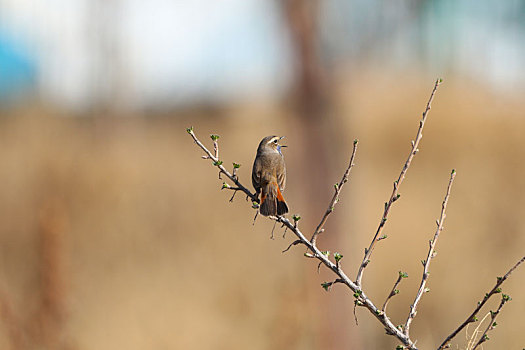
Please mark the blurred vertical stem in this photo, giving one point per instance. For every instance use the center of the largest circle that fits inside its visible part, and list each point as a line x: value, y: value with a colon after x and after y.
x: 312, y: 110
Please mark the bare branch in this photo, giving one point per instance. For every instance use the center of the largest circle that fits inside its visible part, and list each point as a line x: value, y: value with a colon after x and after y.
x: 492, y: 324
x: 335, y: 198
x: 394, y: 290
x: 273, y: 229
x: 222, y: 169
x: 395, y: 196
x: 328, y: 285
x: 292, y: 244
x: 363, y: 299
x: 472, y: 317
x: 430, y: 255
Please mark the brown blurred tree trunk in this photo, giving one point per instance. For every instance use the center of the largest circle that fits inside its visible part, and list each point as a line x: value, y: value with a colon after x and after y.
x: 312, y: 110
x: 50, y: 318
x: 313, y: 107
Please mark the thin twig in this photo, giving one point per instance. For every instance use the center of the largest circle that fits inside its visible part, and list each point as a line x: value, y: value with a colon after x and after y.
x: 472, y: 339
x: 225, y: 186
x: 298, y: 241
x: 284, y: 233
x: 215, y: 145
x: 335, y: 198
x: 273, y: 229
x: 394, y: 290
x: 222, y: 169
x: 394, y: 196
x: 430, y: 255
x: 233, y: 196
x: 472, y: 317
x: 492, y: 324
x: 328, y: 285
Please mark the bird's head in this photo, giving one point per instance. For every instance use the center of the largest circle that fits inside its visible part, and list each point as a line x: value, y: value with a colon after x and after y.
x: 271, y: 144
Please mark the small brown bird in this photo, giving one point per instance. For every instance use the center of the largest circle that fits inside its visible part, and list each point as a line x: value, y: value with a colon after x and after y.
x: 269, y: 176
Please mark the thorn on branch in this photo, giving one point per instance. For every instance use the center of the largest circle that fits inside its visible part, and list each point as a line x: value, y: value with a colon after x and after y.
x: 233, y: 195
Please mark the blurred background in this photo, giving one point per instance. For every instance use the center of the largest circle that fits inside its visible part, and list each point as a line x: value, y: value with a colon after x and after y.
x: 114, y: 234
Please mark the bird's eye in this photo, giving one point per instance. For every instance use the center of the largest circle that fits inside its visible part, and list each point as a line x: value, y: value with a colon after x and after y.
x: 275, y: 141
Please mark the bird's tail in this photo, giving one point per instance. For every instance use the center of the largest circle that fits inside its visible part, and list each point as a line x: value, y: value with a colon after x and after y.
x: 272, y: 201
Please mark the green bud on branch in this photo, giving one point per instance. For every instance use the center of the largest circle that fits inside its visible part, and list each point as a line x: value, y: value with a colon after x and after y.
x: 326, y: 285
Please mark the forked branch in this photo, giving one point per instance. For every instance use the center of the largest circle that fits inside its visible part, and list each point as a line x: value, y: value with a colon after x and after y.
x: 395, y: 196
x: 394, y: 290
x: 472, y: 317
x: 402, y: 333
x: 323, y: 258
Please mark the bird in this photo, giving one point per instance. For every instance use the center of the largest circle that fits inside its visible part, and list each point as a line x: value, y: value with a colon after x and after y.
x: 269, y: 176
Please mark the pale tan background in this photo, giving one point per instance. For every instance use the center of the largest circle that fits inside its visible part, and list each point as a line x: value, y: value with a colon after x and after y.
x: 114, y: 233
x: 152, y: 255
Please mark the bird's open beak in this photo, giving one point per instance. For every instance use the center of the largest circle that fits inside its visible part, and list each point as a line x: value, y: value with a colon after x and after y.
x: 282, y: 137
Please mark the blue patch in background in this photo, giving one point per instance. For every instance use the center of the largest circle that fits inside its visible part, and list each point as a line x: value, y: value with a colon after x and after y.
x: 17, y: 69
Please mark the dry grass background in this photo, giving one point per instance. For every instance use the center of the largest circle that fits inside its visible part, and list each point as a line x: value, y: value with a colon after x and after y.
x: 114, y: 234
